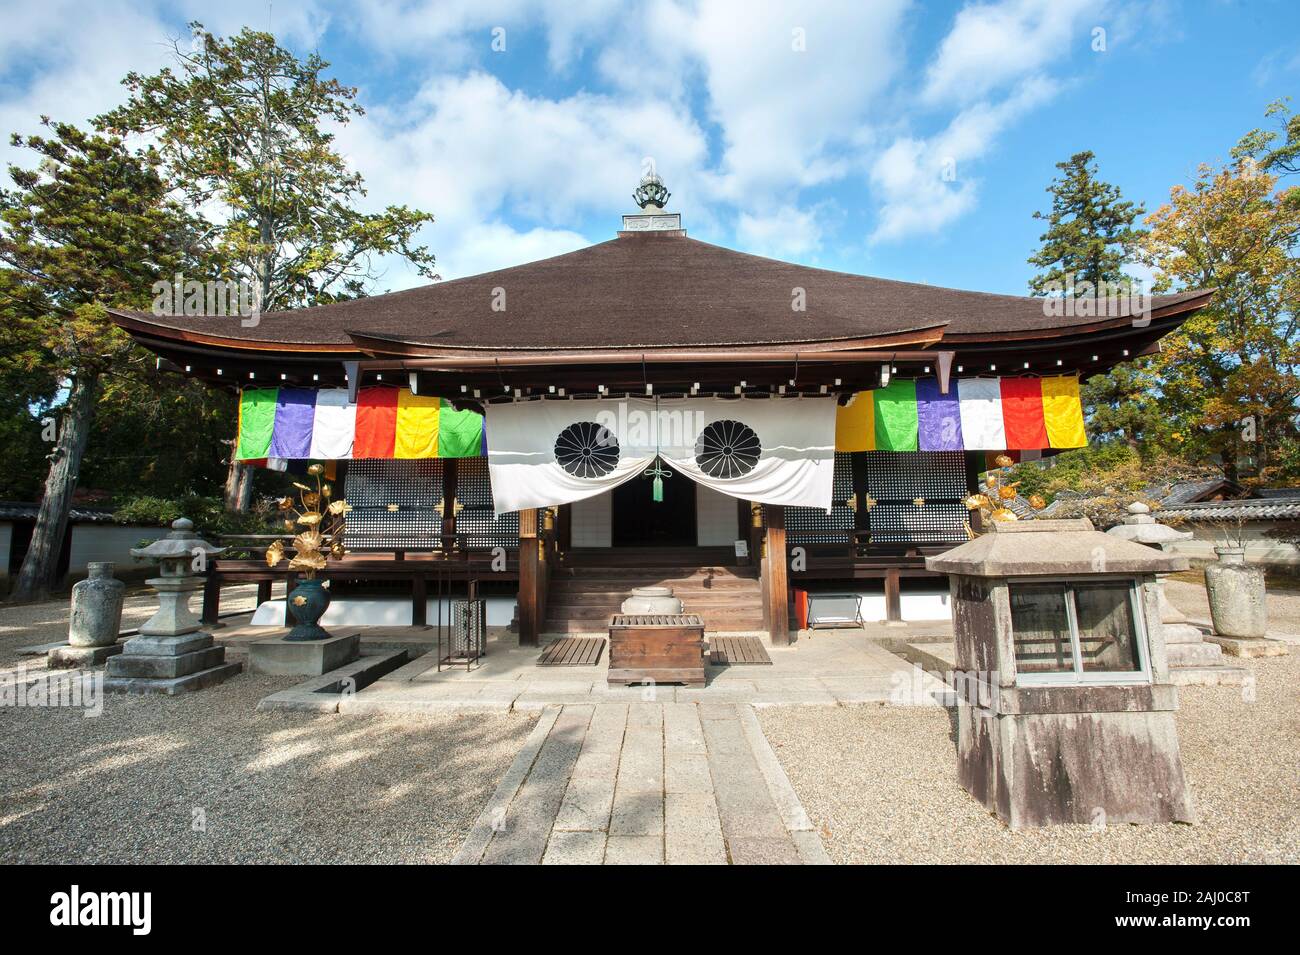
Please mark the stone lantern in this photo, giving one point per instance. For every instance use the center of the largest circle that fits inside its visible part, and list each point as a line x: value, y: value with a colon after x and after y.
x: 171, y: 655
x: 1192, y: 659
x: 1065, y: 708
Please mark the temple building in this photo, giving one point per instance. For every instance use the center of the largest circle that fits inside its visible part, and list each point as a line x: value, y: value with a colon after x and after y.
x: 654, y: 407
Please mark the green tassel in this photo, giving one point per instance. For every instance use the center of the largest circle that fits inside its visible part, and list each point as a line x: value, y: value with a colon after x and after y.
x: 659, y: 490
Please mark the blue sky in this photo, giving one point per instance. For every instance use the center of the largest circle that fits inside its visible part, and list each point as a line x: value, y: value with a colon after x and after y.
x: 819, y: 133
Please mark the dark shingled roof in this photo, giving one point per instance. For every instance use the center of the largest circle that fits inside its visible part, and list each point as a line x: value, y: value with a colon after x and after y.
x: 646, y: 291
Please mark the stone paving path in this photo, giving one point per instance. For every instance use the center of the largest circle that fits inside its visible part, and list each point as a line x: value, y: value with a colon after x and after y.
x: 644, y: 783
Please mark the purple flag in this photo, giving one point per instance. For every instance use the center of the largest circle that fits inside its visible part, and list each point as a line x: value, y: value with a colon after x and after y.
x: 938, y: 417
x: 295, y: 410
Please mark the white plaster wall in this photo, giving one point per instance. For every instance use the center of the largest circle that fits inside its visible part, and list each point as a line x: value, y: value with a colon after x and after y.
x: 591, y: 521
x: 95, y: 542
x: 382, y: 612
x: 1259, y: 549
x: 715, y: 518
x: 916, y: 604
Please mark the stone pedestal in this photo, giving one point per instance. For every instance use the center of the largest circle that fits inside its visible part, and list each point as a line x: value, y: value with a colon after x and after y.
x: 168, y: 665
x: 61, y: 658
x: 171, y: 655
x: 1078, y: 756
x: 281, y: 657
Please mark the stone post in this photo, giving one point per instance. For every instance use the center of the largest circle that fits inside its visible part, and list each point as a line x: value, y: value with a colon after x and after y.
x: 95, y: 619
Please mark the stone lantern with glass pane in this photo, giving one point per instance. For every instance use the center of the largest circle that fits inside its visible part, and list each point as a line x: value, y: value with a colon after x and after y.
x: 1065, y: 709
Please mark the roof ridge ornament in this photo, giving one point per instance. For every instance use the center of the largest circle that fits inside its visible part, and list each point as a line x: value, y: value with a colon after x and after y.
x: 652, y: 195
x: 652, y: 192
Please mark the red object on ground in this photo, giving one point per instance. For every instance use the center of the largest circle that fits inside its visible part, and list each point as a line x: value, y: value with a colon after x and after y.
x: 801, y: 608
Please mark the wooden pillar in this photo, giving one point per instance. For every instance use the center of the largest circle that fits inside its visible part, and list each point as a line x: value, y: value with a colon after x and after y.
x: 776, y: 583
x: 290, y: 582
x: 449, y: 482
x: 893, y: 598
x: 211, y: 598
x: 419, y: 600
x: 263, y: 591
x: 530, y: 578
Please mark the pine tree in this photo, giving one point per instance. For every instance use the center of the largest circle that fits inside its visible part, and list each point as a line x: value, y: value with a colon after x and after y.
x: 1090, y: 234
x: 243, y: 127
x: 91, y: 226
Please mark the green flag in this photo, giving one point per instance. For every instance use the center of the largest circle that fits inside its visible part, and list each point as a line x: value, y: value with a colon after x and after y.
x: 460, y: 433
x: 256, y: 422
x: 896, y: 416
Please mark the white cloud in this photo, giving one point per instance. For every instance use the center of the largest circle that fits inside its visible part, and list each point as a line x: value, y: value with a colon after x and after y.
x: 474, y: 152
x: 995, y: 44
x: 788, y: 89
x: 746, y: 107
x: 924, y: 184
x: 787, y: 232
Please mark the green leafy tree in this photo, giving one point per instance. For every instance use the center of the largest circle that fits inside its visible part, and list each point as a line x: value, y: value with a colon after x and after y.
x: 1229, y: 374
x: 243, y: 127
x: 1090, y: 230
x: 1262, y: 145
x: 90, y: 226
x: 1090, y: 235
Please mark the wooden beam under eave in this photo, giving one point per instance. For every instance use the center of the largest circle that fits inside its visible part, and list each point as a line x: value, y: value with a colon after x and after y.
x: 943, y: 364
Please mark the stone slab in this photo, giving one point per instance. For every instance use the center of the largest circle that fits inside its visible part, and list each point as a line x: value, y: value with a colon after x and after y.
x: 140, y: 667
x: 40, y: 649
x: 167, y: 646
x: 1208, y: 676
x: 174, y: 686
x: 575, y: 848
x: 1250, y: 647
x: 692, y: 830
x: 280, y: 657
x: 63, y: 657
x: 634, y: 850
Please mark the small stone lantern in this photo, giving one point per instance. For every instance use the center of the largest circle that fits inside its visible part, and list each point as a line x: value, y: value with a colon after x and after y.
x: 1065, y: 709
x: 1192, y: 659
x: 170, y: 655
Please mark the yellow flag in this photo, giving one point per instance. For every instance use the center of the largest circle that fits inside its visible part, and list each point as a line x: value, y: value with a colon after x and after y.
x: 417, y: 426
x: 855, y: 424
x: 1063, y: 412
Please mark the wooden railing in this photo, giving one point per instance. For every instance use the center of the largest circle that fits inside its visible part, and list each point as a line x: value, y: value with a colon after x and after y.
x: 431, y: 572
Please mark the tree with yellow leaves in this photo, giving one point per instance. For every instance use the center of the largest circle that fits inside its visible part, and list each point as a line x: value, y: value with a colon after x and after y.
x: 1229, y: 383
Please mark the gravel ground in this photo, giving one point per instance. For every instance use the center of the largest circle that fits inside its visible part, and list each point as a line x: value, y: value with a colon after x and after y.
x: 26, y: 625
x: 881, y: 783
x: 127, y: 786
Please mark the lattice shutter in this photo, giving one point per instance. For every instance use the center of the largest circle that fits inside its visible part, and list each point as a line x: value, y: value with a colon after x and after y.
x: 477, y: 525
x: 896, y: 479
x: 811, y: 525
x: 393, y: 504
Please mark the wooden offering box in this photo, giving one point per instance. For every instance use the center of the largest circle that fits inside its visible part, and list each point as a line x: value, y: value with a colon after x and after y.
x: 656, y: 647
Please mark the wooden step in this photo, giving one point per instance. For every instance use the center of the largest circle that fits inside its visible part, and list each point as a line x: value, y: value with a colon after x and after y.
x: 733, y: 598
x: 625, y: 584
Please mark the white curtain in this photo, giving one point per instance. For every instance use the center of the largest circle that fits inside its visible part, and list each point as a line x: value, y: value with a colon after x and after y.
x: 771, y: 450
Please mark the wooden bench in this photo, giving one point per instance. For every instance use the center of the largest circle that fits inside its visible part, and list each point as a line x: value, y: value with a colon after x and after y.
x: 656, y: 648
